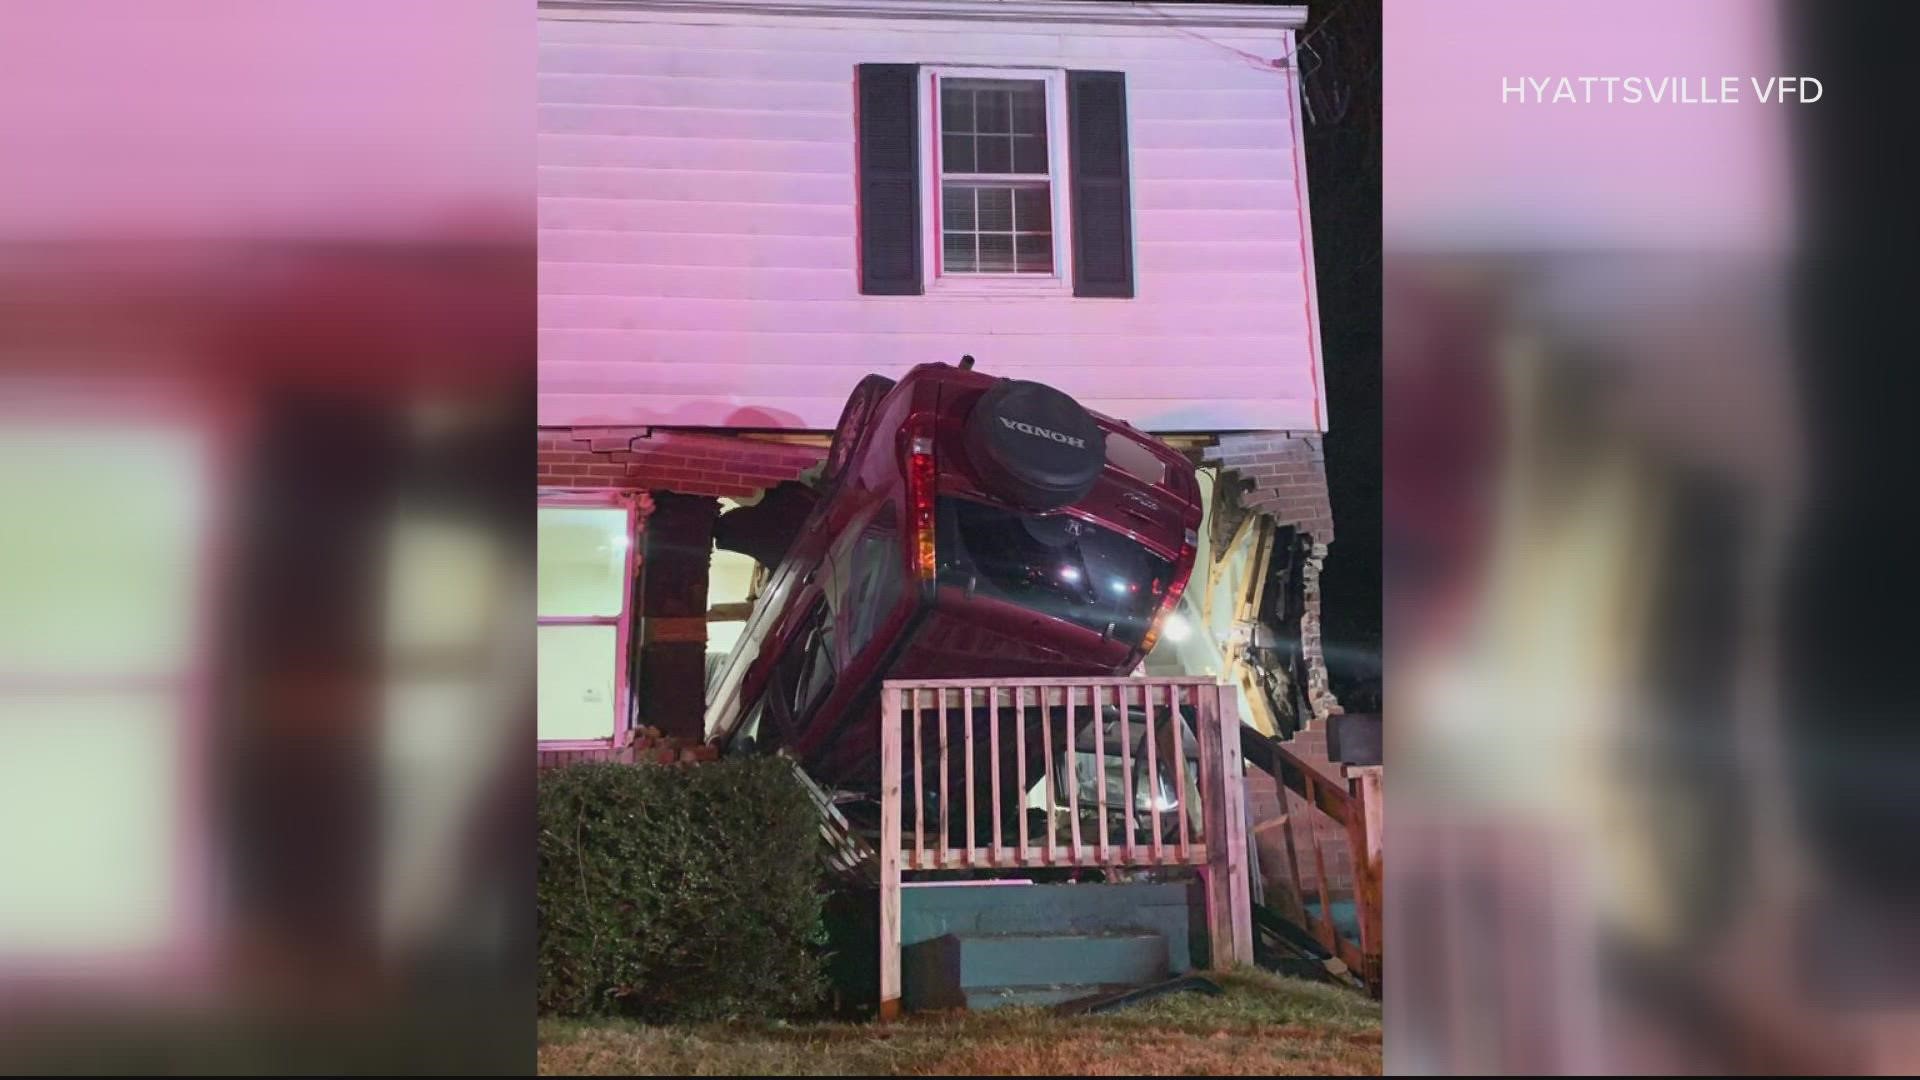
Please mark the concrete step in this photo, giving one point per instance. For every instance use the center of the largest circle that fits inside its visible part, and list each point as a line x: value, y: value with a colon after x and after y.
x: 978, y: 909
x: 998, y: 997
x: 987, y: 970
x: 1118, y: 957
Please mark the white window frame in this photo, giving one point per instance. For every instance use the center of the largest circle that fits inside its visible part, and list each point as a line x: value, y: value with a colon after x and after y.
x: 182, y: 959
x: 622, y: 622
x: 1060, y: 282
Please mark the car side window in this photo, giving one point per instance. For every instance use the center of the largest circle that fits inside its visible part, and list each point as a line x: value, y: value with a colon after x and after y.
x: 818, y: 677
x: 878, y: 578
x: 805, y: 673
x: 752, y: 736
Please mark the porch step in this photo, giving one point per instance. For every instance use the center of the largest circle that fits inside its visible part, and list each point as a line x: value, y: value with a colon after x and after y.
x: 983, y: 971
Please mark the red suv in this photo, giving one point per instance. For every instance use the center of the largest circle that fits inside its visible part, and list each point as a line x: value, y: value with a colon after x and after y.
x: 962, y: 525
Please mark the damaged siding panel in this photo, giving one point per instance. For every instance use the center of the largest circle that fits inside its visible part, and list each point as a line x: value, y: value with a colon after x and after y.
x: 698, y: 211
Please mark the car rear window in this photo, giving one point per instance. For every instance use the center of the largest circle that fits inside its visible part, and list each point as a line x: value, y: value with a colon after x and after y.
x: 1055, y: 564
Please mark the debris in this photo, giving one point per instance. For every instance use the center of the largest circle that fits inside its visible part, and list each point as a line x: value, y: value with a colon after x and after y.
x: 1120, y: 999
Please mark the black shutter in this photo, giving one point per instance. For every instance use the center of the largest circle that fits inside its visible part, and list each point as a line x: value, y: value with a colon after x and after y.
x: 889, y: 179
x: 1102, y: 198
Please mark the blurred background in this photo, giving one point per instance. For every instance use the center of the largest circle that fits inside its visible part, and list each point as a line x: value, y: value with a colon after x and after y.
x: 1646, y: 567
x: 266, y: 315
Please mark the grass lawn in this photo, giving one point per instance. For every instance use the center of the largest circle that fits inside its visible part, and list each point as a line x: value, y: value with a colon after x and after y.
x: 1262, y: 1025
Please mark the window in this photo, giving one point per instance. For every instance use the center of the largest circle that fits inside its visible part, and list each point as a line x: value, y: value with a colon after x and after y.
x: 104, y: 670
x: 996, y: 179
x: 1060, y: 566
x: 585, y: 596
x: 450, y: 583
x: 879, y: 579
x: 993, y: 181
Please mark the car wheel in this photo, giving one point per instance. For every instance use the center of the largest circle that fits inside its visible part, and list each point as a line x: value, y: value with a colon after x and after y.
x: 853, y: 422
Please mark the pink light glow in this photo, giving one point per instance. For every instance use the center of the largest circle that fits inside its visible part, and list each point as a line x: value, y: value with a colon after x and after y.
x: 1509, y: 176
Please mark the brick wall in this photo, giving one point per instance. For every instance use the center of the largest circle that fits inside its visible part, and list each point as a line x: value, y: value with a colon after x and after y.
x: 649, y: 747
x: 1286, y: 478
x: 695, y: 463
x: 1289, y: 477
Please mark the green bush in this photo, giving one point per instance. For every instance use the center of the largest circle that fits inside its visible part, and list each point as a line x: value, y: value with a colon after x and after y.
x: 679, y: 893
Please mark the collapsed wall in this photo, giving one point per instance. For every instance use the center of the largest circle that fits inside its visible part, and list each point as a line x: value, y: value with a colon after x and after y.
x: 1282, y: 477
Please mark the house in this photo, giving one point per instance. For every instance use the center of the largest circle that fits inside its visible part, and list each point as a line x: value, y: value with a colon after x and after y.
x: 746, y: 207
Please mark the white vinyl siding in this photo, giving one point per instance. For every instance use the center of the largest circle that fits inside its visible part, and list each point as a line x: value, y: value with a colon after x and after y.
x: 698, y: 244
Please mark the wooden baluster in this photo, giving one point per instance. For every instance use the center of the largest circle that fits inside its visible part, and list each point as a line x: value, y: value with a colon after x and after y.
x: 1153, y: 772
x: 1020, y: 762
x: 993, y: 748
x: 966, y: 718
x: 946, y: 789
x: 1046, y: 748
x: 1073, y: 780
x: 1296, y: 886
x: 1100, y: 774
x: 1126, y: 775
x: 919, y: 792
x: 1179, y: 769
x: 1330, y: 936
x: 1206, y: 715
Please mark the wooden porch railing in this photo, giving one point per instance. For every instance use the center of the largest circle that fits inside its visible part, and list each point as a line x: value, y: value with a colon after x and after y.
x: 1355, y: 812
x: 961, y: 757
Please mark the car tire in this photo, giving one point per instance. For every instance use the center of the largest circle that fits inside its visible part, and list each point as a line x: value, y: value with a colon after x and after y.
x: 853, y: 420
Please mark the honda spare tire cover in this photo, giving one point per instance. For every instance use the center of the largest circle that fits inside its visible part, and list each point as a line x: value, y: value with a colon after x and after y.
x: 1034, y: 445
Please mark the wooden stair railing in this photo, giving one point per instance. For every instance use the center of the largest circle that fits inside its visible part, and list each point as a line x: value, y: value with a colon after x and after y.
x: 1357, y: 811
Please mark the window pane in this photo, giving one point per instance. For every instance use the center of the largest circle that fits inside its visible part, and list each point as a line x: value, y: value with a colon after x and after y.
x: 1033, y: 209
x: 1030, y: 110
x: 995, y: 110
x: 583, y: 560
x: 1034, y: 253
x: 996, y: 253
x: 957, y: 209
x: 576, y: 682
x: 93, y: 790
x: 1098, y: 576
x: 956, y: 154
x: 1030, y: 154
x: 958, y: 257
x: 996, y: 209
x: 446, y: 580
x: 995, y: 154
x: 956, y: 107
x: 112, y: 517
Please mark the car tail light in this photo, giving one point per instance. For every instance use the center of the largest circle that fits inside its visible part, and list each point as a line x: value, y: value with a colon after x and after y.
x: 1183, y: 568
x: 920, y: 475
